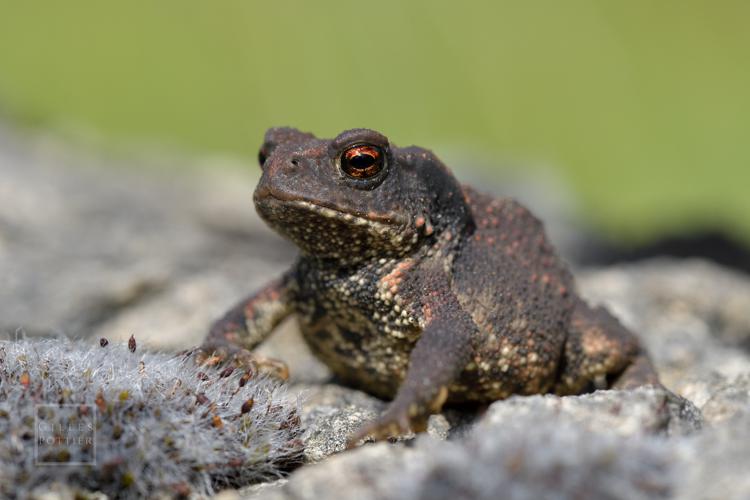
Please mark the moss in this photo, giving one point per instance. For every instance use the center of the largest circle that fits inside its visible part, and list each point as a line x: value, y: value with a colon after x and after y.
x: 141, y: 408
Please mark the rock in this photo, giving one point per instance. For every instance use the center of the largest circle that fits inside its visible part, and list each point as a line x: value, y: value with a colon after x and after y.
x: 625, y: 413
x: 595, y: 446
x: 729, y: 400
x: 367, y: 473
x: 61, y: 491
x: 535, y: 460
x: 330, y: 414
x: 92, y: 244
x: 715, y: 462
x: 269, y: 490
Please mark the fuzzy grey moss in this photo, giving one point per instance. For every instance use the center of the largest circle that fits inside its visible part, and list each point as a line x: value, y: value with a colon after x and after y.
x: 162, y: 424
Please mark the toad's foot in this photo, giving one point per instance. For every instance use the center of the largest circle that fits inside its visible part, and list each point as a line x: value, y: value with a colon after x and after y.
x: 395, y: 422
x: 232, y: 357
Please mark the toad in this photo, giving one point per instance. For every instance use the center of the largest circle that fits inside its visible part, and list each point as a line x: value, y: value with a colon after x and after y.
x: 415, y: 288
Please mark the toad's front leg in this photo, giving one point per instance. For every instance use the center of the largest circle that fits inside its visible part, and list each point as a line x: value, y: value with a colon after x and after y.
x: 441, y: 353
x: 247, y: 324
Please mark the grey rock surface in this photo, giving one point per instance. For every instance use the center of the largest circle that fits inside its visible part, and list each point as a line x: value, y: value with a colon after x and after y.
x: 87, y: 244
x: 331, y: 413
x: 94, y: 245
x: 714, y: 463
x: 610, y: 444
x: 626, y: 413
x: 725, y: 399
x: 605, y: 445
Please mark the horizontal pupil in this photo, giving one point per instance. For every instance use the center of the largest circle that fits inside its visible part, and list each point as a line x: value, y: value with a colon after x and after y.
x: 362, y: 161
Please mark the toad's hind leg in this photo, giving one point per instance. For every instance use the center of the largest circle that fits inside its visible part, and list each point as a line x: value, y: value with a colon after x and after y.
x: 600, y: 353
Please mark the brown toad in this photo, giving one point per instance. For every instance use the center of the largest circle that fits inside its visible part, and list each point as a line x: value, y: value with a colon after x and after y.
x: 413, y: 287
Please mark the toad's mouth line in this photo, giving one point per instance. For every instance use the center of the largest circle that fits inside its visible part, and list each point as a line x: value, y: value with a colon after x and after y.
x: 382, y: 221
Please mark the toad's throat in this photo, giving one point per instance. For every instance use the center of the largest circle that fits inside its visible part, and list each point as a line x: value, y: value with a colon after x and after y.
x: 326, y: 232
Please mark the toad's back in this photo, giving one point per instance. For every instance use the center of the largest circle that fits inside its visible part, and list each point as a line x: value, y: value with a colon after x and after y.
x: 519, y: 294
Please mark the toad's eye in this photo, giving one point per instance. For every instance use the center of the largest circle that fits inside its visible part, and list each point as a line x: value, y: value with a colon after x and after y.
x: 362, y: 161
x: 262, y: 157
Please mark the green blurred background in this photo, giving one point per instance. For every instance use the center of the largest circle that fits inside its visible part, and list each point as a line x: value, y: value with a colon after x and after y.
x: 643, y: 105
